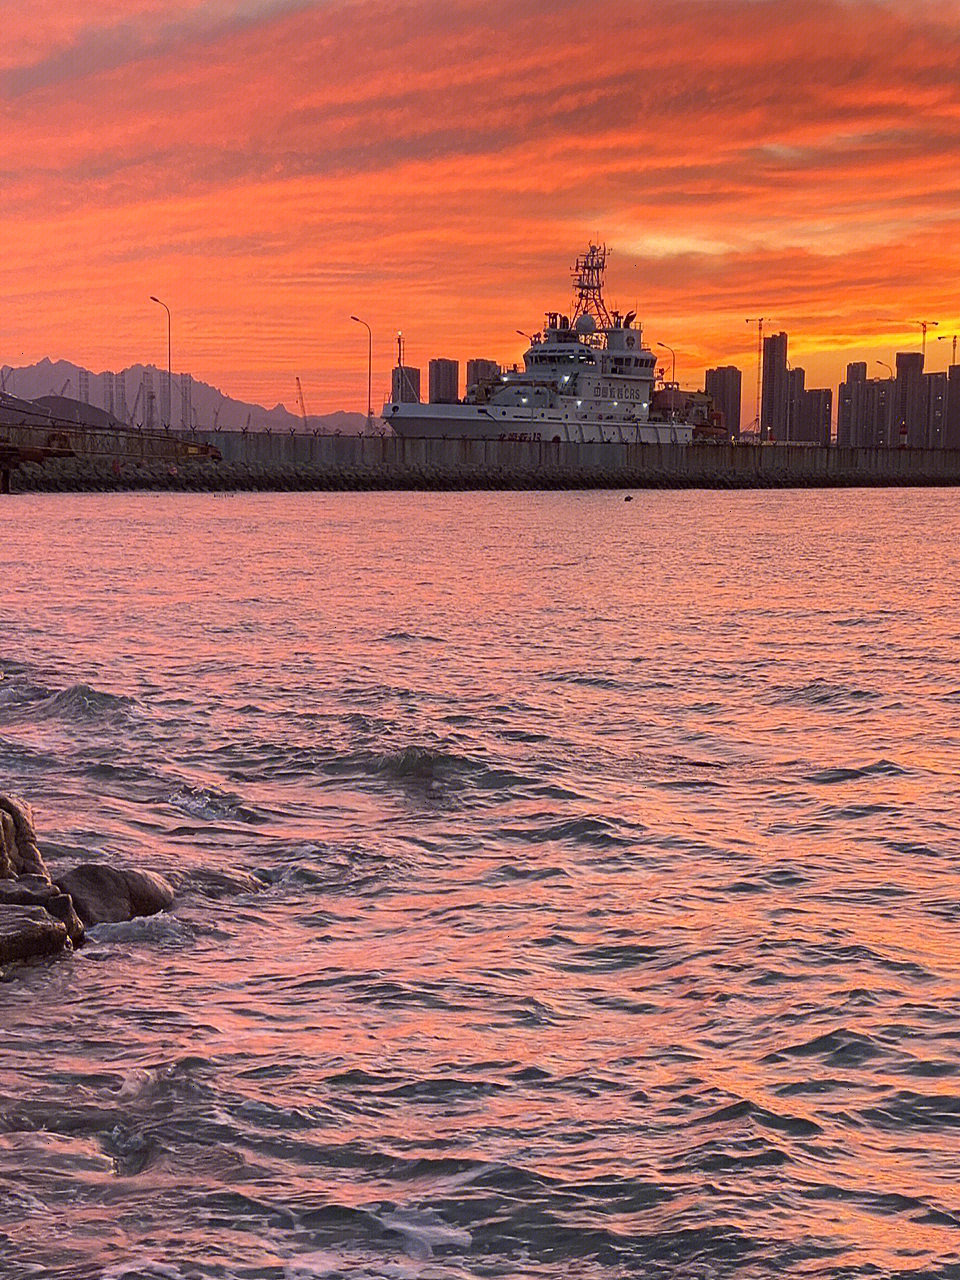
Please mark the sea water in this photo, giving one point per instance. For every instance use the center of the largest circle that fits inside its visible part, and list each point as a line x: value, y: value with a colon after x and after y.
x: 565, y: 887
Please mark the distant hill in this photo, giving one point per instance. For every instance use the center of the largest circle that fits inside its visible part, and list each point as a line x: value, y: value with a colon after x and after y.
x: 137, y: 395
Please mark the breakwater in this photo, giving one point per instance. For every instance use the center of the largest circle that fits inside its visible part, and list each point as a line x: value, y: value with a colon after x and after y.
x: 260, y: 461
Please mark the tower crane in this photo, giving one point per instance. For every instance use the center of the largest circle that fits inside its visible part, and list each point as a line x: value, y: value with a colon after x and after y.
x: 924, y: 326
x: 758, y: 321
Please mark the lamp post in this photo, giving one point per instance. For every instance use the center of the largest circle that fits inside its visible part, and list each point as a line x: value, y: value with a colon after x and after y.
x: 169, y: 326
x: 673, y: 379
x: 369, y: 368
x: 944, y: 337
x: 886, y: 366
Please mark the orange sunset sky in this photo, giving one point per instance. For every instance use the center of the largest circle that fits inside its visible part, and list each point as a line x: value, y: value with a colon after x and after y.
x: 267, y: 167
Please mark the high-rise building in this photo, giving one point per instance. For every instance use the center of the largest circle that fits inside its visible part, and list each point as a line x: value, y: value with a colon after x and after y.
x: 951, y: 434
x: 773, y: 404
x: 481, y: 371
x: 871, y: 413
x: 723, y: 385
x: 934, y: 409
x: 186, y: 400
x: 814, y: 415
x: 910, y: 416
x: 120, y: 411
x: 148, y: 409
x: 795, y: 392
x: 850, y: 389
x: 109, y: 397
x: 83, y: 385
x: 444, y: 381
x: 405, y: 385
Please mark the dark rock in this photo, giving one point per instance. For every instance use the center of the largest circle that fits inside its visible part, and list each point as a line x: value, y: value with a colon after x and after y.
x: 8, y: 843
x: 60, y: 906
x: 17, y: 894
x: 103, y: 894
x: 20, y: 855
x: 149, y: 892
x: 37, y: 884
x: 27, y: 931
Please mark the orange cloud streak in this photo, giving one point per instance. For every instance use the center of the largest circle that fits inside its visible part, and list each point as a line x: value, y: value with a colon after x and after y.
x: 269, y: 167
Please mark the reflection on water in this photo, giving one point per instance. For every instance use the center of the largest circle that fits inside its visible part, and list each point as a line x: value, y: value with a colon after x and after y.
x: 565, y: 887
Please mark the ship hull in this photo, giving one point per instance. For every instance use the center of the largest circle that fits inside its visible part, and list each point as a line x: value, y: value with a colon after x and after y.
x: 490, y: 422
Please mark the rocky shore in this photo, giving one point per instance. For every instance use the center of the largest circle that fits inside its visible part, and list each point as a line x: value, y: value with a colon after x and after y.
x: 40, y: 916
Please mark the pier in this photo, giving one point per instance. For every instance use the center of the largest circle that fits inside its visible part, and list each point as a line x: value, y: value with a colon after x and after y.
x: 37, y: 444
x: 225, y: 461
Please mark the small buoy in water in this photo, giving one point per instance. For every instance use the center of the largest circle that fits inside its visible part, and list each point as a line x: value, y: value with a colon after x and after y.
x: 628, y: 498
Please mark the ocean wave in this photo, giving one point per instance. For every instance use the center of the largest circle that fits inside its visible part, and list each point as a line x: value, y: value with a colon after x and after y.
x: 879, y: 768
x: 840, y: 1047
x: 212, y: 804
x: 743, y: 1109
x: 418, y: 764
x: 17, y: 690
x: 597, y: 832
x: 422, y: 762
x: 215, y: 884
x: 80, y: 703
x: 411, y: 637
x: 588, y: 680
x: 822, y: 693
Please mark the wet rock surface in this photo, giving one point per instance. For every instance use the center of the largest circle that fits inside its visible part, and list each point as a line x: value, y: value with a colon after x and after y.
x: 41, y: 918
x: 103, y: 894
x: 26, y: 932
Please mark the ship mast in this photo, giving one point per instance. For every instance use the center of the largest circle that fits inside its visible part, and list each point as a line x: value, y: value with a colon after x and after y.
x: 588, y: 281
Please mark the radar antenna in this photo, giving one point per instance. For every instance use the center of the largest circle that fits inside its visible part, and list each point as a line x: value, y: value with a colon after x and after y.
x: 588, y: 280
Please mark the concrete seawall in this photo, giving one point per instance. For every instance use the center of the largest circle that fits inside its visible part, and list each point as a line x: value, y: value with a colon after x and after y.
x: 261, y: 461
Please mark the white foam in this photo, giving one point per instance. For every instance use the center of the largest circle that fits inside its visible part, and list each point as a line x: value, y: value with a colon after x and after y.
x: 158, y: 928
x: 327, y: 1265
x: 422, y: 1232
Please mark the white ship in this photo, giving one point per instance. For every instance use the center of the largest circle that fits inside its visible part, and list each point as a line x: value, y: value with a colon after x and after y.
x: 586, y: 377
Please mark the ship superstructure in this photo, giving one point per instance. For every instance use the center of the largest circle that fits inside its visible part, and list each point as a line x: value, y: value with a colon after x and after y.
x: 587, y: 376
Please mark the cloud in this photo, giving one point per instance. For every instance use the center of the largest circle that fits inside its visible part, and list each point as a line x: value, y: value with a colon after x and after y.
x: 270, y: 166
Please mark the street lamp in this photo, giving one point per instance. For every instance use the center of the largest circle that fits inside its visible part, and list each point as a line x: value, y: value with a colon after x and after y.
x: 673, y: 379
x: 950, y: 336
x: 369, y: 368
x: 169, y: 398
x: 673, y: 367
x: 886, y: 366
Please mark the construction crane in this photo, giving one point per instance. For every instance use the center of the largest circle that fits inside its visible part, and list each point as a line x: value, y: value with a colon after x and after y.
x: 924, y: 326
x: 303, y: 407
x: 758, y: 321
x: 64, y: 387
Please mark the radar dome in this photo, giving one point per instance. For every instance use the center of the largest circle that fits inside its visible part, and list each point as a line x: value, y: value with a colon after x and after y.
x: 586, y: 324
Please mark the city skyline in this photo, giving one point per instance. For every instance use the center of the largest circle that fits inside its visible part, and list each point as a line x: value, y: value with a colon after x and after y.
x: 738, y: 160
